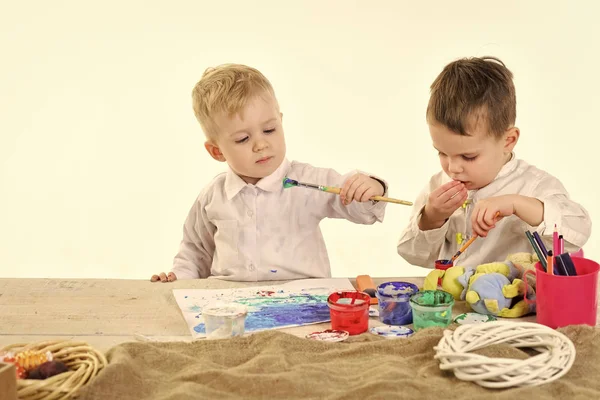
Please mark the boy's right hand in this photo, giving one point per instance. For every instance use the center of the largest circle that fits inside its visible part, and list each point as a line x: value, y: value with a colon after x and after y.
x: 441, y: 204
x: 170, y: 277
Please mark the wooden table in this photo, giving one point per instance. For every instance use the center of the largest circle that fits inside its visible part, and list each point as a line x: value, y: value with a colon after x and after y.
x: 106, y: 312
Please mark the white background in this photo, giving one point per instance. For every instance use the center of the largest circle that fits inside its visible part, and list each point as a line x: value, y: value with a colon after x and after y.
x: 101, y: 156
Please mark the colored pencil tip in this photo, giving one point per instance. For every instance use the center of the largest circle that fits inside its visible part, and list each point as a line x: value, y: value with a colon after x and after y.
x: 288, y: 183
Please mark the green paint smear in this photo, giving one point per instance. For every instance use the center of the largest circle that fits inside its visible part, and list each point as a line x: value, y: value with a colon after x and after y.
x: 288, y: 183
x: 428, y: 320
x: 434, y: 298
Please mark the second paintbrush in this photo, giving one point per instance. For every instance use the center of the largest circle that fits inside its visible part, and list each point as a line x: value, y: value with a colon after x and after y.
x: 287, y: 183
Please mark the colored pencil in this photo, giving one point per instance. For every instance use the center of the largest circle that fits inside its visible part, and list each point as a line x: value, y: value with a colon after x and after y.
x: 536, y: 250
x: 540, y: 243
x: 550, y: 263
x: 555, y: 240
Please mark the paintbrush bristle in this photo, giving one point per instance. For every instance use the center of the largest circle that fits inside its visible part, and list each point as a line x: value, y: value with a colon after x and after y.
x: 288, y: 183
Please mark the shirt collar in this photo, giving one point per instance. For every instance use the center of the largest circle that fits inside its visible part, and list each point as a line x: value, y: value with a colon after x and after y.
x: 271, y: 183
x: 506, y: 170
x: 508, y: 167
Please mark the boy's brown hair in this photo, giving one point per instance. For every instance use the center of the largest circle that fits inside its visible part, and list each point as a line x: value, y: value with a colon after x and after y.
x: 226, y: 89
x: 472, y: 88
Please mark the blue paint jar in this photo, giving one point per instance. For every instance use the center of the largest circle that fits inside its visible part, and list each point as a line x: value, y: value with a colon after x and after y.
x: 394, y: 306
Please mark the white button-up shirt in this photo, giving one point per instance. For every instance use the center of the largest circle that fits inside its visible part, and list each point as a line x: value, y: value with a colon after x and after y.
x: 243, y: 232
x: 422, y: 248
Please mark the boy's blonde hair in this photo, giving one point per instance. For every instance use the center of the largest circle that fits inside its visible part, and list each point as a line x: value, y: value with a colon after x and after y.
x: 473, y: 88
x: 226, y: 89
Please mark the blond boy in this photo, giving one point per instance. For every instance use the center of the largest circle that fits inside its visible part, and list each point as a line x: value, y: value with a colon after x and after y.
x: 244, y: 225
x: 471, y: 117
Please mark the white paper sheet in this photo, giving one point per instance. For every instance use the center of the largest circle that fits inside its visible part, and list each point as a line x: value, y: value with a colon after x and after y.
x: 295, y: 303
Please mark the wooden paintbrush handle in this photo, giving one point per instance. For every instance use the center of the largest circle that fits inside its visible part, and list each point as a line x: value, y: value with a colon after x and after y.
x: 390, y: 200
x: 459, y: 252
x: 337, y: 190
x: 462, y: 249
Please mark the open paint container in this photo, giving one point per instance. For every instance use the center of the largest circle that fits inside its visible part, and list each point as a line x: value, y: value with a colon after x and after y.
x: 349, y: 311
x: 224, y: 320
x: 393, y: 299
x: 442, y: 265
x: 431, y: 308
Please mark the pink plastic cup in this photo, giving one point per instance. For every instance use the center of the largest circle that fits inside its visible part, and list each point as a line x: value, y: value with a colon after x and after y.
x: 566, y: 300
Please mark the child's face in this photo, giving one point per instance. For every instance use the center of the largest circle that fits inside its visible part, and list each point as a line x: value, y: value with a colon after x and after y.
x: 474, y: 160
x: 252, y: 142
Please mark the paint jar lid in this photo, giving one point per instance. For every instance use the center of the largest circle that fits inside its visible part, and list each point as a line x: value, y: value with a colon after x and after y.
x: 400, y: 291
x: 391, y: 332
x: 473, y: 318
x: 329, y: 335
x: 221, y: 309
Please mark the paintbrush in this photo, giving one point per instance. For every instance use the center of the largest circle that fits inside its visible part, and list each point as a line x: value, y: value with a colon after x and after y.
x: 288, y: 183
x: 459, y: 252
x: 469, y: 242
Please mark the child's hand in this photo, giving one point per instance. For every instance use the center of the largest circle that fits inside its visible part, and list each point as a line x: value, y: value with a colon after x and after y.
x: 442, y: 203
x: 484, y: 216
x: 361, y: 188
x: 170, y: 277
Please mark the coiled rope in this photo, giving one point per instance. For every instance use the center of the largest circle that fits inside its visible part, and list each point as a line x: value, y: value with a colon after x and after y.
x: 556, y: 354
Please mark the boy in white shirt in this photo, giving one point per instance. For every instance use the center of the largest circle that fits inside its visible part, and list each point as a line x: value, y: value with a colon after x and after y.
x: 245, y: 226
x: 471, y: 117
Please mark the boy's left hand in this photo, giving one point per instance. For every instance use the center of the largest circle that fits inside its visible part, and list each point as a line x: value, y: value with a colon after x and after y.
x: 483, y: 218
x: 361, y: 188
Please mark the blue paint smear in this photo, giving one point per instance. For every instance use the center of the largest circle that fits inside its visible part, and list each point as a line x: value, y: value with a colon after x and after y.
x: 278, y: 312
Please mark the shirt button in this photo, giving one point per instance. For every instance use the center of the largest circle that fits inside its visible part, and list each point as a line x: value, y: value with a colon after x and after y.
x: 252, y: 268
x: 250, y: 213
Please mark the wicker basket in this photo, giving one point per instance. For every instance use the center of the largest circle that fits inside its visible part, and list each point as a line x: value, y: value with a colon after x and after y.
x: 83, y: 361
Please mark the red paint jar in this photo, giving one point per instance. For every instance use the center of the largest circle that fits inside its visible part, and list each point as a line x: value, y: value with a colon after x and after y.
x: 349, y: 311
x: 442, y: 265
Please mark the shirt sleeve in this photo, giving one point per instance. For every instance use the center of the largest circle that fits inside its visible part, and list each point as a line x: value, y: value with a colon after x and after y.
x: 194, y: 258
x: 329, y: 205
x: 418, y: 247
x: 570, y: 218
